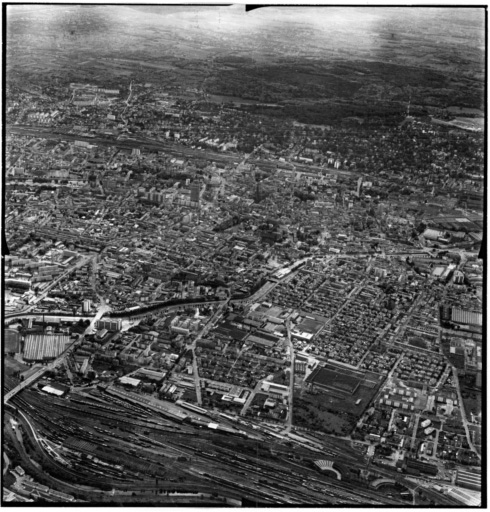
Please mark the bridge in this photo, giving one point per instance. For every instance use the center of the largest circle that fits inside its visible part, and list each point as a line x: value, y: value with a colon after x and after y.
x: 35, y: 376
x: 25, y: 384
x: 65, y: 317
x: 381, y: 481
x: 145, y: 311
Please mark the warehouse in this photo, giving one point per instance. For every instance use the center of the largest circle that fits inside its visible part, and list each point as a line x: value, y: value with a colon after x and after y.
x: 275, y: 389
x: 421, y: 467
x: 41, y: 347
x: 329, y: 379
x: 468, y: 480
x: 462, y: 316
x: 432, y: 234
x: 55, y: 389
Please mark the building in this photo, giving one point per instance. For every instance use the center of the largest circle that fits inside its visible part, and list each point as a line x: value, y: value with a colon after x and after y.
x: 468, y: 480
x: 416, y: 466
x: 55, y: 389
x: 44, y: 347
x: 458, y: 277
x: 23, y: 284
x: 462, y: 316
x: 432, y: 234
x: 195, y: 192
x: 20, y: 471
x: 110, y: 324
x: 84, y: 366
x: 333, y: 381
x: 86, y: 306
x: 359, y: 185
x: 275, y: 389
x: 101, y: 334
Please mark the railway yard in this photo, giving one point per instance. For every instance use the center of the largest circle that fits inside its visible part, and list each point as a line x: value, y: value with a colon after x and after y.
x: 98, y: 440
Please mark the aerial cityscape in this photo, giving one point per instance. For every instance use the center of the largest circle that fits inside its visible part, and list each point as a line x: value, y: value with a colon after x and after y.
x: 242, y: 255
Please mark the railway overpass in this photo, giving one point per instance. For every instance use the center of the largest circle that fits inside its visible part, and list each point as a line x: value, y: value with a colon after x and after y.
x: 35, y: 376
x: 142, y: 312
x: 64, y: 317
x: 26, y: 383
x: 380, y: 481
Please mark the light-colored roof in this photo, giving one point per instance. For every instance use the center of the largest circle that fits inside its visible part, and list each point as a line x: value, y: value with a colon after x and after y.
x: 53, y: 391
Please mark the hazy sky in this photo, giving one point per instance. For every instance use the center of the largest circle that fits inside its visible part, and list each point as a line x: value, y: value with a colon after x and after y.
x: 346, y: 25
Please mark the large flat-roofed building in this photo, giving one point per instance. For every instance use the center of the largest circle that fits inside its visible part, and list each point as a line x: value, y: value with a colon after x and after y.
x: 275, y: 389
x: 195, y: 192
x: 432, y: 234
x: 422, y: 467
x: 101, y: 334
x: 55, y: 389
x: 111, y: 324
x: 129, y: 381
x: 468, y: 479
x: 42, y: 347
x: 463, y: 316
x: 327, y: 378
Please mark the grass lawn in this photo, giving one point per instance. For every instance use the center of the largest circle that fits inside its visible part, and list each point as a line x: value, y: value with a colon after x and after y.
x: 10, y: 366
x: 313, y: 411
x: 472, y: 404
x: 11, y: 341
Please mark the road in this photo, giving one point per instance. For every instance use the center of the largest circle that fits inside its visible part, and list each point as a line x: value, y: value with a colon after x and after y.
x: 206, y: 328
x: 250, y: 398
x: 65, y: 317
x: 289, y: 421
x: 414, y: 433
x: 6, y: 462
x: 127, y: 103
x: 26, y: 383
x: 463, y: 412
x: 83, y: 261
x: 56, y: 362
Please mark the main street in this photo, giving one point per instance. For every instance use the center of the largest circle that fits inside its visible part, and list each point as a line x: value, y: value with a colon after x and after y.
x: 463, y: 412
x: 289, y: 421
x: 206, y: 328
x: 83, y: 261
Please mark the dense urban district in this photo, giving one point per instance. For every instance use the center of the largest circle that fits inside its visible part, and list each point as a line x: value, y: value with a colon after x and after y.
x: 208, y: 301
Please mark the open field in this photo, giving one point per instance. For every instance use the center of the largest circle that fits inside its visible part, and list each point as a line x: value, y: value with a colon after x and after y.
x: 314, y: 412
x: 11, y: 341
x: 11, y: 366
